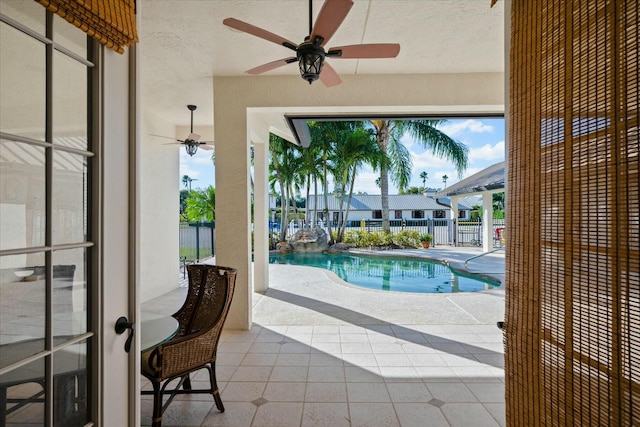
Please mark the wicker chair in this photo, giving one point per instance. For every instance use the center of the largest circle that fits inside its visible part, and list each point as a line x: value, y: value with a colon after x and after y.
x: 195, y: 345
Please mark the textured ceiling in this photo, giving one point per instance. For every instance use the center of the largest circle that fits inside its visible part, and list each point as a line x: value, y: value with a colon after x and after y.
x: 183, y: 43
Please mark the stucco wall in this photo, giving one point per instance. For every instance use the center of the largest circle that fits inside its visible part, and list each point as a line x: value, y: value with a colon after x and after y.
x: 159, y: 209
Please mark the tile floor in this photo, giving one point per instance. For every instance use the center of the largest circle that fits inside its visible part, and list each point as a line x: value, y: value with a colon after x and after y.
x: 322, y: 353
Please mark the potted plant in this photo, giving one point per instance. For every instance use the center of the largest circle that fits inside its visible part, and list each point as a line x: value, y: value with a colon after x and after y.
x: 426, y: 239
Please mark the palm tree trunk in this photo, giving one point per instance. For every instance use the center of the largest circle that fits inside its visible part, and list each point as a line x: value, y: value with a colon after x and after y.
x: 307, y: 217
x: 315, y: 201
x: 284, y: 214
x: 382, y: 139
x: 346, y: 215
x: 326, y: 200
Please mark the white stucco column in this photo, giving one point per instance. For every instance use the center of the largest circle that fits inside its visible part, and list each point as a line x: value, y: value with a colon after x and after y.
x: 260, y: 216
x: 454, y: 214
x: 487, y: 221
x: 233, y: 232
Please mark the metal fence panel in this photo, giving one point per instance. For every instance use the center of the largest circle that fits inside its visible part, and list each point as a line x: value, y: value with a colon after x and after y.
x: 197, y: 240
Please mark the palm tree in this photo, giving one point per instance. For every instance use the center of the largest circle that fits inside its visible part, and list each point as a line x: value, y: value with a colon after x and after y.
x: 424, y: 176
x: 325, y: 136
x: 201, y: 205
x: 388, y: 134
x: 285, y: 171
x: 444, y: 179
x: 358, y: 148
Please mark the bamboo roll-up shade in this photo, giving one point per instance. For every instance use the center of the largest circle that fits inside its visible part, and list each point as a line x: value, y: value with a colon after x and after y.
x: 111, y: 22
x: 572, y: 353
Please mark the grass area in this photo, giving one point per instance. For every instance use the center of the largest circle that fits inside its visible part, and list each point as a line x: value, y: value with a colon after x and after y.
x: 191, y: 254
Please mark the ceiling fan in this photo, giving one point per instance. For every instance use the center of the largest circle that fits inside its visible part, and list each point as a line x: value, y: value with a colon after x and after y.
x: 192, y: 141
x: 310, y: 54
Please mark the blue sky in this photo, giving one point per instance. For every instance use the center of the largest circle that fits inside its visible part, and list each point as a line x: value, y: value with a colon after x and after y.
x: 484, y: 137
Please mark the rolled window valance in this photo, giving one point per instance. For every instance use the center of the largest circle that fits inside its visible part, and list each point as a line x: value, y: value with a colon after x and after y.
x: 111, y: 22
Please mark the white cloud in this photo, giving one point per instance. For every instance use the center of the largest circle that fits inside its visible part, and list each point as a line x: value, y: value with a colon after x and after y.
x: 455, y: 128
x: 366, y: 182
x: 487, y: 152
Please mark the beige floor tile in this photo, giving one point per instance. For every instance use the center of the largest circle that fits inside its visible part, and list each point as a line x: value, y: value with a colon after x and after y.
x: 498, y: 411
x: 372, y: 415
x: 356, y: 374
x: 321, y: 359
x: 325, y: 415
x: 368, y: 392
x: 326, y: 374
x: 325, y: 392
x: 451, y: 392
x: 461, y: 414
x: 278, y: 414
x: 293, y: 359
x: 385, y: 359
x: 420, y: 415
x: 289, y: 373
x: 359, y: 359
x: 409, y: 392
x: 285, y: 391
x: 236, y: 414
x: 488, y: 392
x: 242, y: 391
x: 251, y: 373
x: 259, y: 359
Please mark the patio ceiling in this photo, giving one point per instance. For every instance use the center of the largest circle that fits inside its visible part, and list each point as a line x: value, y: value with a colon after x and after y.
x: 183, y: 44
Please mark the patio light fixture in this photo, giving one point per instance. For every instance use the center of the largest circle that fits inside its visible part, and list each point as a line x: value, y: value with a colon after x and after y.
x: 311, y: 58
x: 191, y: 147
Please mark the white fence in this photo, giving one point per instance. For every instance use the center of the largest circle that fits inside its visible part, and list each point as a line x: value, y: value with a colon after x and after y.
x: 443, y: 230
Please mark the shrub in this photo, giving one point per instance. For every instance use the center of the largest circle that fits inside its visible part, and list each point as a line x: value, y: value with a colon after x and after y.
x: 426, y: 237
x: 407, y: 239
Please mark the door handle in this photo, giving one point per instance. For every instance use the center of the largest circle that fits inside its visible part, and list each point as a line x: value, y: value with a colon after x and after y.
x: 122, y: 324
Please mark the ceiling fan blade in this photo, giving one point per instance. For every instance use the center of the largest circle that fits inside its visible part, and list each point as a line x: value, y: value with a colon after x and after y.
x: 205, y: 147
x: 329, y: 19
x: 259, y: 32
x: 173, y: 143
x: 328, y: 75
x: 375, y: 50
x: 271, y: 66
x: 165, y: 137
x: 193, y: 137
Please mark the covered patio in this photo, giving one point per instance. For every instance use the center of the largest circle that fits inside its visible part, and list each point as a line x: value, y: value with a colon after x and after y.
x: 322, y: 352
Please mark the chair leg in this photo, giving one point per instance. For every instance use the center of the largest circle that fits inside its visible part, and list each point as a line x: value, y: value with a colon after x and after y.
x: 186, y: 384
x: 157, y: 405
x: 214, y: 387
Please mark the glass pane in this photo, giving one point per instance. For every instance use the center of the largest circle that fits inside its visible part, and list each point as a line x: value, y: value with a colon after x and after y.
x: 25, y: 386
x: 70, y: 385
x: 69, y: 36
x: 69, y: 293
x: 22, y: 195
x: 22, y: 104
x: 69, y: 102
x: 69, y: 198
x: 22, y: 306
x: 28, y: 13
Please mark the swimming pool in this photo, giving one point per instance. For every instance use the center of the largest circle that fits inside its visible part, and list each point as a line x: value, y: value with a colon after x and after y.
x: 390, y: 273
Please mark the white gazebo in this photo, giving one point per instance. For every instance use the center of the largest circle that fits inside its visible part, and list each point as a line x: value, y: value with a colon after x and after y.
x: 484, y: 183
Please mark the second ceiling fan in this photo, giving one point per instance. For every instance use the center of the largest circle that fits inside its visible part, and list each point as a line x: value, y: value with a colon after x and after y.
x: 310, y: 54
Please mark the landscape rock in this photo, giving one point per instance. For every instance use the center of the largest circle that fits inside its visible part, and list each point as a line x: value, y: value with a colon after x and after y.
x: 310, y: 240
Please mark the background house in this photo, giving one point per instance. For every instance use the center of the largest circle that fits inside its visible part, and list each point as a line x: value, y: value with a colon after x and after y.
x: 401, y: 207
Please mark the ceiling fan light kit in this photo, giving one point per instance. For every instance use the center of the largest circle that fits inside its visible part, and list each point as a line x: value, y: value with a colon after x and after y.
x: 310, y: 54
x: 191, y: 142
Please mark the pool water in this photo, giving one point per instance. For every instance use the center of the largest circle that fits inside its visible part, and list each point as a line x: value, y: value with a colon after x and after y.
x: 389, y: 273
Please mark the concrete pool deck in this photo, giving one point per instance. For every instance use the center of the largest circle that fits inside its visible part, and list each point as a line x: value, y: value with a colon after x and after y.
x: 325, y: 353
